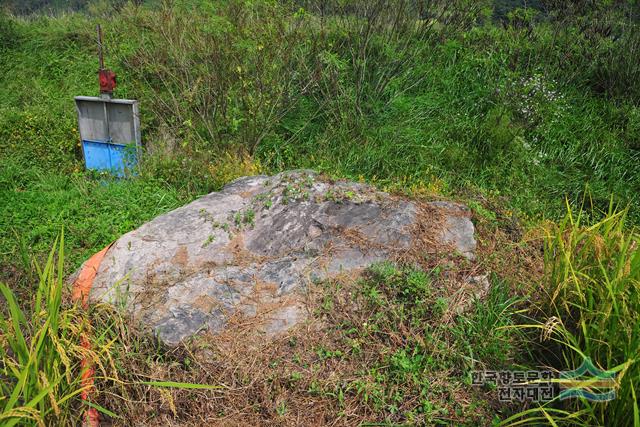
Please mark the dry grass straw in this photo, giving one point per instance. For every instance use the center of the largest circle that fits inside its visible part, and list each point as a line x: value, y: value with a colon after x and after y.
x: 307, y: 377
x: 318, y: 373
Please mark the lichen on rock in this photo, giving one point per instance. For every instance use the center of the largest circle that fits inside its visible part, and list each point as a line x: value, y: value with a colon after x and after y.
x: 250, y: 250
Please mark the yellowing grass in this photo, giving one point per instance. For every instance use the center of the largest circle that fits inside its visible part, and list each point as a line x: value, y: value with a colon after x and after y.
x: 40, y: 351
x: 40, y: 354
x: 593, y: 280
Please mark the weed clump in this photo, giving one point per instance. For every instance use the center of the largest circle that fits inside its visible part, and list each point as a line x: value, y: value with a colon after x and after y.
x: 592, y: 312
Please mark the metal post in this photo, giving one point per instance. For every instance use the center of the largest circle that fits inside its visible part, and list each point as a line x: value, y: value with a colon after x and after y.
x: 100, y: 57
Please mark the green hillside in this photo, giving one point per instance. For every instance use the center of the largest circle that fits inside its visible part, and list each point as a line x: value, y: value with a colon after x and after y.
x: 522, y: 110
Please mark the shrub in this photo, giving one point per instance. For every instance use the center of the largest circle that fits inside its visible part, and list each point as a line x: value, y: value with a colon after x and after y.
x: 8, y: 35
x: 217, y: 73
x: 601, y: 41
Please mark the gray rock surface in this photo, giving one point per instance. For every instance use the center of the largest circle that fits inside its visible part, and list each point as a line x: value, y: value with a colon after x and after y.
x: 249, y: 251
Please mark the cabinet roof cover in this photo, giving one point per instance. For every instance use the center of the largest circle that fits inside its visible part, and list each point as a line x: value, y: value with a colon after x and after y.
x: 108, y: 120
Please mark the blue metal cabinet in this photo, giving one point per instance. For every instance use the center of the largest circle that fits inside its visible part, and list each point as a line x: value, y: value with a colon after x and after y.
x: 110, y: 133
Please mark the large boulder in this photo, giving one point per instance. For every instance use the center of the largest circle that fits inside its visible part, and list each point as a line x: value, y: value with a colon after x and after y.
x: 249, y: 251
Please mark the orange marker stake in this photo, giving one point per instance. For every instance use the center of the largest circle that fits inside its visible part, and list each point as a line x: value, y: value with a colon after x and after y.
x: 80, y: 293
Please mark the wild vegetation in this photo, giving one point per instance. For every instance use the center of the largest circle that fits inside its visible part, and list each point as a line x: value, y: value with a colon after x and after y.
x: 529, y: 113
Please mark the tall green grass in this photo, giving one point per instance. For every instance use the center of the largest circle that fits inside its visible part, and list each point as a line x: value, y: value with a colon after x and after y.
x: 40, y: 352
x: 593, y: 279
x: 458, y: 106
